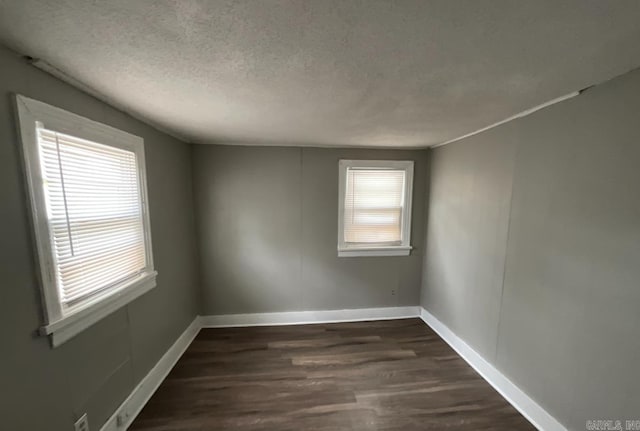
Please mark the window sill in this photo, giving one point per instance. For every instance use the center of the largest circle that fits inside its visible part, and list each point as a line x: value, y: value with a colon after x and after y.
x: 100, y: 307
x: 374, y: 251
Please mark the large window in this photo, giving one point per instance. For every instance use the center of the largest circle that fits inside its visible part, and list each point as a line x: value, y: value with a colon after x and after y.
x: 88, y: 198
x: 375, y: 208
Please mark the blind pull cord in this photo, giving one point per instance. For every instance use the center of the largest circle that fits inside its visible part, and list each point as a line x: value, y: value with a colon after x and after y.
x: 353, y: 198
x: 64, y: 196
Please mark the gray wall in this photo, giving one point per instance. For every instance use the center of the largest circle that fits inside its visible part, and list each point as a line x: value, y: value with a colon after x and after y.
x: 44, y: 388
x: 534, y: 251
x: 470, y: 192
x: 268, y: 224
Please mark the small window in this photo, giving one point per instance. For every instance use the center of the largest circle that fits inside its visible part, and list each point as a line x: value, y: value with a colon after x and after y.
x: 87, y: 190
x: 375, y: 208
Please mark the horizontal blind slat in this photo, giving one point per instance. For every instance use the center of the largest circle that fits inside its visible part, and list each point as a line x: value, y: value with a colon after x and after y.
x: 101, y: 268
x: 115, y: 272
x: 374, y: 205
x: 95, y: 213
x: 91, y: 251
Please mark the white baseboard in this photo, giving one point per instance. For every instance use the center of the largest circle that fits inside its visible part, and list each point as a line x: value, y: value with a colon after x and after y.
x: 512, y: 393
x: 306, y: 317
x: 131, y: 407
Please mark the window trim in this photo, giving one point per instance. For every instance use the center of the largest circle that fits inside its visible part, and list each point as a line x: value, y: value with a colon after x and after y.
x: 404, y: 249
x: 62, y: 326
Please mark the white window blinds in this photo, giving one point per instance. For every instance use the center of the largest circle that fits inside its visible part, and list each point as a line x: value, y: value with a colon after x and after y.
x: 95, y: 213
x: 374, y: 206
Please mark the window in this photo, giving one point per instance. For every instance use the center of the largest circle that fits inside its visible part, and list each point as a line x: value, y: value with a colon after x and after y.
x: 87, y: 191
x: 375, y: 208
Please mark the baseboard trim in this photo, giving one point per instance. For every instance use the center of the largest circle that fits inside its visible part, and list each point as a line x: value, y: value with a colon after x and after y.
x: 308, y: 317
x: 512, y: 393
x: 131, y: 407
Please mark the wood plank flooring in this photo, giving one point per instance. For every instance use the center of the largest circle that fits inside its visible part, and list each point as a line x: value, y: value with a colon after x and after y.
x: 379, y: 375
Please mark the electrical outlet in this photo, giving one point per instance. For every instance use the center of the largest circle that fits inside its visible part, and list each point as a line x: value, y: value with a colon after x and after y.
x: 393, y: 292
x: 82, y: 424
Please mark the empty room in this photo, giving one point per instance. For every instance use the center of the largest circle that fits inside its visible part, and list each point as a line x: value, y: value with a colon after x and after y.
x: 319, y: 215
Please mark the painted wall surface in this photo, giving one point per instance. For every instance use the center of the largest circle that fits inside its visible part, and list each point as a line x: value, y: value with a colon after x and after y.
x: 47, y: 389
x: 470, y: 194
x: 268, y: 226
x: 563, y: 321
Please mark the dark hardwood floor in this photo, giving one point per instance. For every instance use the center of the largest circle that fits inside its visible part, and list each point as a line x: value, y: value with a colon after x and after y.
x: 380, y: 375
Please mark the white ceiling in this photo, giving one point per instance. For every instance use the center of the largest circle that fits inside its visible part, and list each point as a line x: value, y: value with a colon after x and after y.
x: 327, y: 72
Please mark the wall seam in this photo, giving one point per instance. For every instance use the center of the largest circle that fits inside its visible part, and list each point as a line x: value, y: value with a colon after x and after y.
x: 425, y: 226
x: 195, y: 220
x: 506, y: 251
x: 301, y: 182
x: 130, y: 343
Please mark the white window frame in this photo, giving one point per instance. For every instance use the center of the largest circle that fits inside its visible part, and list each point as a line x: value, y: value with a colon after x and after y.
x: 62, y: 326
x: 350, y: 250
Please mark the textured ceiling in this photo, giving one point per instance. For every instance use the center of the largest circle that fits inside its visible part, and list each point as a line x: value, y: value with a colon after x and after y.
x: 328, y: 72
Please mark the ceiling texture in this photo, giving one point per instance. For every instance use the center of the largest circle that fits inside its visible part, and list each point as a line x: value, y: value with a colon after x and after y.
x: 404, y: 73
